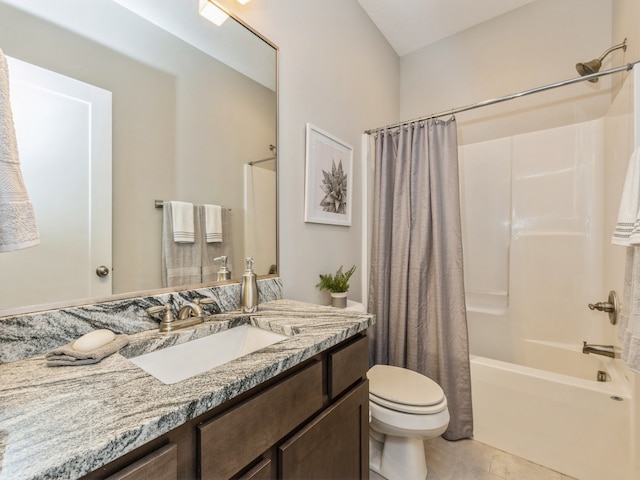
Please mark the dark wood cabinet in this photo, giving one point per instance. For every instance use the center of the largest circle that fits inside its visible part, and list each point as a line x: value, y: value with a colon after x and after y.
x: 161, y: 464
x: 334, y: 445
x: 234, y: 439
x: 262, y: 471
x: 307, y: 423
x: 347, y: 366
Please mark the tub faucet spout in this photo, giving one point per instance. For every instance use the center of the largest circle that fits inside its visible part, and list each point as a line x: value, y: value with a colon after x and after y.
x: 605, y: 350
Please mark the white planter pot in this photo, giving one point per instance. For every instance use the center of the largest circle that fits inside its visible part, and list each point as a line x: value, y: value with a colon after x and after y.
x: 339, y: 299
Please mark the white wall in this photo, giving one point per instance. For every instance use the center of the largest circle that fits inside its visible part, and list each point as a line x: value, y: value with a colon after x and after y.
x: 626, y: 17
x: 338, y: 73
x: 534, y: 45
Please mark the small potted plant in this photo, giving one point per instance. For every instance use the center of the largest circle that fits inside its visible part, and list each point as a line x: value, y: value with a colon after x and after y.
x: 337, y: 285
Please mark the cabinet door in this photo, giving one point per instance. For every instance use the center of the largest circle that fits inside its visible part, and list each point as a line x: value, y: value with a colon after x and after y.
x: 262, y: 471
x: 159, y: 465
x: 231, y: 441
x: 347, y: 365
x: 334, y: 445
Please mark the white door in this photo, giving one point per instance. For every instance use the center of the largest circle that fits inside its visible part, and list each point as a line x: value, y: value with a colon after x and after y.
x: 63, y: 130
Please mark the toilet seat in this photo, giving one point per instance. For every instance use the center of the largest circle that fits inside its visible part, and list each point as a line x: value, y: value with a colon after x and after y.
x: 405, y: 391
x: 398, y: 407
x: 406, y: 408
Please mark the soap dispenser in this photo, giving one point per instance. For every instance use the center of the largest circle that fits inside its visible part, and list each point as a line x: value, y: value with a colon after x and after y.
x: 249, y: 290
x: 223, y: 273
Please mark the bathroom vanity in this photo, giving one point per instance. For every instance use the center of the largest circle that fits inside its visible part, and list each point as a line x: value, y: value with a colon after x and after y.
x: 311, y: 422
x: 296, y: 409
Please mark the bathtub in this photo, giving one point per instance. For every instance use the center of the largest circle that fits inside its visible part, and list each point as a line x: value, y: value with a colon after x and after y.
x: 553, y: 411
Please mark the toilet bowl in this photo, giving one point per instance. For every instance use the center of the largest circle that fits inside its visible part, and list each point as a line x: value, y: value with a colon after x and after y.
x: 405, y: 409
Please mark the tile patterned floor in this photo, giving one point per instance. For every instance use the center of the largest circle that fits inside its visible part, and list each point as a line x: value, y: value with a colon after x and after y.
x: 472, y: 460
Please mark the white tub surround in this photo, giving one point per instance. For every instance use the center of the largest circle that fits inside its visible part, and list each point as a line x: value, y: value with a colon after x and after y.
x: 553, y: 252
x: 572, y: 424
x: 64, y: 422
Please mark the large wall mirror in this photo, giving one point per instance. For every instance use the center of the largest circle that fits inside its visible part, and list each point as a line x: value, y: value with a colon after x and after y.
x: 121, y: 104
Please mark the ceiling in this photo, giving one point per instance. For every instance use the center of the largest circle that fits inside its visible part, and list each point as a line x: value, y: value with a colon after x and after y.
x: 412, y: 24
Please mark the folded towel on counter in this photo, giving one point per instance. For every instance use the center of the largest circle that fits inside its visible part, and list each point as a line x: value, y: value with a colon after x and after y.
x: 213, y: 223
x: 68, y: 356
x: 18, y: 228
x: 183, y: 226
x: 627, y: 231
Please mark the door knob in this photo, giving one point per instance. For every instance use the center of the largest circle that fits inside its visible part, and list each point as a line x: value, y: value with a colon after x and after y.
x: 102, y: 271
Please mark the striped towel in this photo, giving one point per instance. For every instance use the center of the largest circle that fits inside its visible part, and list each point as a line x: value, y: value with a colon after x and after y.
x: 213, y: 223
x: 627, y: 231
x: 182, y: 217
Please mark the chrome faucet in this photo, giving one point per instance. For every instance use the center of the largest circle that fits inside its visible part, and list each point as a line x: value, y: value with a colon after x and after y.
x: 605, y: 350
x: 189, y: 314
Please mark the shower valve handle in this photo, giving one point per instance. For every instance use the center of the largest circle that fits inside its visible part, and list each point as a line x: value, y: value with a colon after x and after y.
x: 611, y: 307
x: 602, y: 306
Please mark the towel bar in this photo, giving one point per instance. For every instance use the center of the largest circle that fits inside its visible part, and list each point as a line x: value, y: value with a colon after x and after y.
x: 159, y: 204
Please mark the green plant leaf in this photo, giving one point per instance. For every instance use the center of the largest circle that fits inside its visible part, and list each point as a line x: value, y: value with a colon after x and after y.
x: 336, y: 283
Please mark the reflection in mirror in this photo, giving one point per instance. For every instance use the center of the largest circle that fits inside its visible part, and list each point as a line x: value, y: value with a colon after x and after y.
x: 183, y: 110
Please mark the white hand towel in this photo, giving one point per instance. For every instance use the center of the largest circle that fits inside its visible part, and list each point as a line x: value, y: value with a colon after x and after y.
x: 213, y: 223
x: 18, y: 228
x: 183, y: 227
x: 627, y: 231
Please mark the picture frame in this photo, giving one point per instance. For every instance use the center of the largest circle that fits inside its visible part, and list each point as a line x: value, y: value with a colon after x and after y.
x: 328, y: 179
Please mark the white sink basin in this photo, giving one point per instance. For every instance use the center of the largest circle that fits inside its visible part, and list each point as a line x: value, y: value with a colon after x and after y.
x: 177, y: 363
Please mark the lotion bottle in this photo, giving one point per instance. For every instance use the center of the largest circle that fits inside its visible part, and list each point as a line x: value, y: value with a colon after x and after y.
x: 249, y: 289
x: 223, y: 273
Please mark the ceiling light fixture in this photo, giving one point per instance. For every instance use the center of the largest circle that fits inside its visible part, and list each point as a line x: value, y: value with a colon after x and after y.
x: 212, y: 12
x: 243, y: 2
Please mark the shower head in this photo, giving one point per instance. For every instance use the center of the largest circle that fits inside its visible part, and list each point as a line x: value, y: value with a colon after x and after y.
x: 593, y: 66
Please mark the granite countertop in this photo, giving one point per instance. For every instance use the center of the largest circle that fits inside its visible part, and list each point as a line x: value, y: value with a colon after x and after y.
x: 63, y: 422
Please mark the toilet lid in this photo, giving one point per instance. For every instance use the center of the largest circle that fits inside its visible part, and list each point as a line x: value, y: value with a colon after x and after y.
x: 403, y: 387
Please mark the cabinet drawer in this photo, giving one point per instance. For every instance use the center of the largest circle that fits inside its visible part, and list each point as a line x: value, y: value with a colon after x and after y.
x: 347, y: 366
x: 334, y: 445
x: 229, y: 442
x: 262, y: 471
x: 159, y: 465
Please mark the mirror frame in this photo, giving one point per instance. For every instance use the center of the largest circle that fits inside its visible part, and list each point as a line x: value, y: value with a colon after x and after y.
x: 39, y: 308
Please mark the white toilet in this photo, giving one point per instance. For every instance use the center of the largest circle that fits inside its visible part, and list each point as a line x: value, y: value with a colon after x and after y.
x: 405, y: 409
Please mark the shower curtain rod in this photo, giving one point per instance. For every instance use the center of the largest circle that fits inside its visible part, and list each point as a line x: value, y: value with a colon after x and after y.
x: 260, y: 161
x: 493, y: 101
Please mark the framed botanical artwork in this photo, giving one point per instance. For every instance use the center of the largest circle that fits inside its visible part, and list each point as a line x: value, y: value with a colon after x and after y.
x: 328, y: 179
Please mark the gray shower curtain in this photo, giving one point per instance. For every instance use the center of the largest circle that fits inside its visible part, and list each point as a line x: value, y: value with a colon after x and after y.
x: 416, y: 281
